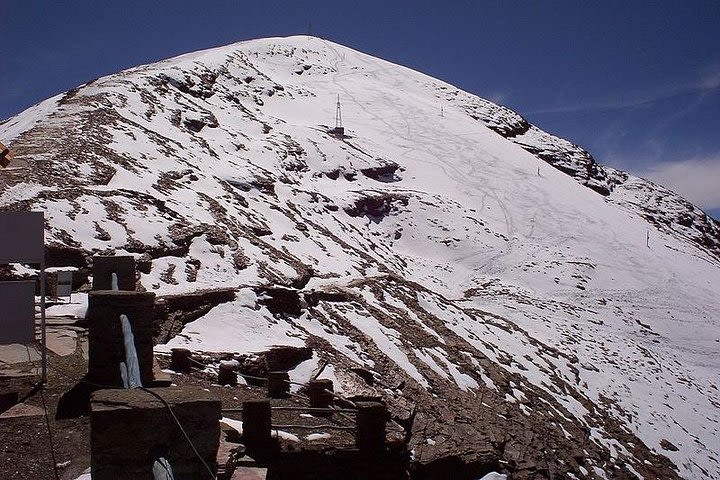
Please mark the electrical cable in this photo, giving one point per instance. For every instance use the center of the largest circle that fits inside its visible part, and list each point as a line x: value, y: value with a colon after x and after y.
x: 164, y: 402
x: 177, y: 421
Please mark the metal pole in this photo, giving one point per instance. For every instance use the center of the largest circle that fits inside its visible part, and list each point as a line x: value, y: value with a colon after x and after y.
x: 42, y: 321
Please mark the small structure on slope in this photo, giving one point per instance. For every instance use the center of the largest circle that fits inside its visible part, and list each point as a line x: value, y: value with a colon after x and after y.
x: 339, y: 130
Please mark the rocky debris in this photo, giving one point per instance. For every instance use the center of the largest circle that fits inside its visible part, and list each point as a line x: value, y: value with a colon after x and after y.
x: 284, y: 359
x: 385, y: 173
x: 196, y: 84
x: 474, y: 432
x: 667, y: 445
x: 263, y: 185
x: 129, y: 428
x: 281, y: 300
x: 197, y: 124
x: 306, y: 274
x: 172, y: 312
x: 377, y: 205
x: 367, y: 375
x: 329, y: 294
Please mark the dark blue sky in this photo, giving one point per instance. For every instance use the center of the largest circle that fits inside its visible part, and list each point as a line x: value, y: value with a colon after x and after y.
x: 636, y: 83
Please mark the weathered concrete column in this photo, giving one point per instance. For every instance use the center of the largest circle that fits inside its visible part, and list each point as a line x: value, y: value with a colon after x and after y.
x: 127, y: 426
x: 105, y: 336
x: 180, y: 360
x: 371, y: 420
x: 104, y: 267
x: 256, y: 424
x: 278, y: 384
x: 320, y: 393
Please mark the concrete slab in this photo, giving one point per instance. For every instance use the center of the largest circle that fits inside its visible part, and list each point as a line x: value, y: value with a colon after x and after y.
x: 16, y: 353
x: 61, y: 321
x: 14, y: 373
x: 62, y: 342
x: 22, y: 410
x: 249, y: 473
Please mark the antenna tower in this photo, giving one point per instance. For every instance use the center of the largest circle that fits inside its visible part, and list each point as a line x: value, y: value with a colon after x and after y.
x: 338, y: 115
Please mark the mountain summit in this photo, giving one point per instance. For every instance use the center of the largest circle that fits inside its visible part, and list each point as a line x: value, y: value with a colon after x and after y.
x: 542, y: 313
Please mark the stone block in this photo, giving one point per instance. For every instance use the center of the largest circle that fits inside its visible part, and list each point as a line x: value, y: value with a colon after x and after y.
x: 104, y: 267
x: 105, y: 337
x: 371, y: 421
x: 128, y: 428
x: 256, y: 415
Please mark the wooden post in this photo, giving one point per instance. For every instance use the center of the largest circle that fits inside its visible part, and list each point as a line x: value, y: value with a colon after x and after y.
x: 180, y: 360
x: 227, y: 374
x: 278, y: 384
x: 320, y: 393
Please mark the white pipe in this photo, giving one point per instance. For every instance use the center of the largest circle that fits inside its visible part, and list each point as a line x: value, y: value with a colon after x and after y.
x: 131, y: 358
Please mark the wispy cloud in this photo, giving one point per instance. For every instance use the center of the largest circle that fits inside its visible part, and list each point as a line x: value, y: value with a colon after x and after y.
x: 696, y: 179
x: 705, y: 82
x: 711, y: 79
x: 498, y: 97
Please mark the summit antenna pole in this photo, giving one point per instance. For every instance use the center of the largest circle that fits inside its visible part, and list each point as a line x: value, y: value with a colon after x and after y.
x: 338, y: 115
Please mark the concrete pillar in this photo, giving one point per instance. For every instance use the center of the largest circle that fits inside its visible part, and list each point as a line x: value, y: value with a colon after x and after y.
x: 180, y: 360
x: 227, y: 374
x: 105, y: 337
x: 127, y: 426
x: 371, y: 419
x: 278, y: 384
x: 104, y: 267
x: 256, y: 424
x: 320, y: 393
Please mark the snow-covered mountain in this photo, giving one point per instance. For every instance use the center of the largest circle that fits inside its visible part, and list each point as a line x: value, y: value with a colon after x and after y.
x: 547, y: 315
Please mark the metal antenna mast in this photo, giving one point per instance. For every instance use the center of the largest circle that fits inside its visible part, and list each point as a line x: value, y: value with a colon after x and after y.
x: 338, y: 115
